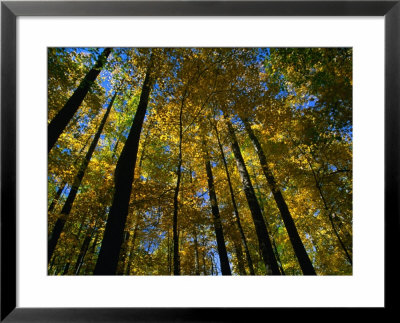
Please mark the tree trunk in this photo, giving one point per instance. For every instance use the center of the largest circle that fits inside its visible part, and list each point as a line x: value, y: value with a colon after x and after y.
x: 127, y: 270
x: 123, y: 178
x: 278, y: 257
x: 223, y: 255
x: 175, y: 236
x: 59, y: 225
x: 266, y: 220
x: 61, y: 120
x: 261, y: 229
x: 299, y: 249
x: 235, y: 209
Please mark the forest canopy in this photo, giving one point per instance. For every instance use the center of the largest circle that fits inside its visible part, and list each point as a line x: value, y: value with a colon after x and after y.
x: 200, y: 161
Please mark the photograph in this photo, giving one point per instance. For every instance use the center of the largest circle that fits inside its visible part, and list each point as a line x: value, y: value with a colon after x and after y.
x: 200, y: 161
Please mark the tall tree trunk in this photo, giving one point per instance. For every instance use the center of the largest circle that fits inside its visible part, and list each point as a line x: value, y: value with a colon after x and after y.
x: 223, y: 255
x: 127, y: 270
x: 266, y: 220
x: 299, y: 249
x: 261, y: 229
x: 235, y: 209
x: 59, y: 225
x: 175, y: 236
x: 123, y: 178
x: 61, y: 120
x: 278, y: 257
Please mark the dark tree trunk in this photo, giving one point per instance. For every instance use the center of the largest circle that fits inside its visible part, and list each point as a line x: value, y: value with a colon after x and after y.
x: 278, y: 257
x: 300, y: 251
x: 235, y: 209
x: 138, y: 214
x: 58, y: 227
x: 223, y: 255
x: 266, y: 220
x: 123, y: 178
x: 261, y: 229
x: 61, y: 120
x: 175, y: 236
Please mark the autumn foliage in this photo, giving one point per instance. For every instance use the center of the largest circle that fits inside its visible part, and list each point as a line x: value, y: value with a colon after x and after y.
x: 200, y: 161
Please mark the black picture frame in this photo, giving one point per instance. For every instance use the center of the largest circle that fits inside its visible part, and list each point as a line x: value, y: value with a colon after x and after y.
x: 10, y: 10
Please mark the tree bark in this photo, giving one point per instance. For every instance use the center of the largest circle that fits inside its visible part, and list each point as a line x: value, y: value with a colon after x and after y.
x: 261, y: 229
x: 61, y: 120
x: 223, y: 255
x: 235, y: 209
x: 298, y: 246
x: 123, y: 178
x: 59, y: 225
x: 175, y: 236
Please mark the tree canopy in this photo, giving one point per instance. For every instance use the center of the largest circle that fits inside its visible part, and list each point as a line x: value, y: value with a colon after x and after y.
x: 200, y: 161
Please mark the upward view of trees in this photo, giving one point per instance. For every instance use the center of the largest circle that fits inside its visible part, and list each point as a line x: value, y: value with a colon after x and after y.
x: 200, y: 161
